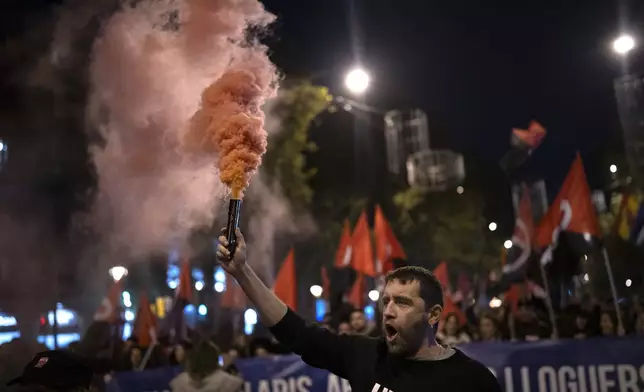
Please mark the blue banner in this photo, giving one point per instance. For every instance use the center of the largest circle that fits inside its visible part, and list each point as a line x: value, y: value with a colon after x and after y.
x: 595, y: 365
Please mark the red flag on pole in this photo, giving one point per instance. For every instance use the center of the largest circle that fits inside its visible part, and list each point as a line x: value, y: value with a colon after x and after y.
x: 343, y: 253
x: 285, y: 283
x: 387, y: 246
x: 362, y: 253
x: 145, y: 324
x: 109, y: 310
x: 357, y: 294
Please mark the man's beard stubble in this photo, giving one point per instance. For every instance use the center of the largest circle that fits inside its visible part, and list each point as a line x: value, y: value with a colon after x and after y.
x: 409, y: 340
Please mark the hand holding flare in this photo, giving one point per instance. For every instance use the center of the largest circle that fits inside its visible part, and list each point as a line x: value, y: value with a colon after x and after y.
x: 230, y: 122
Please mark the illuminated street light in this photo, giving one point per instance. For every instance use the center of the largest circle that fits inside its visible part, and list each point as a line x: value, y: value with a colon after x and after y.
x: 624, y: 44
x: 460, y: 190
x: 507, y: 244
x: 613, y: 169
x: 199, y: 285
x: 316, y: 291
x: 629, y: 282
x: 374, y: 295
x: 117, y: 273
x: 357, y: 81
x: 496, y: 303
x: 492, y: 226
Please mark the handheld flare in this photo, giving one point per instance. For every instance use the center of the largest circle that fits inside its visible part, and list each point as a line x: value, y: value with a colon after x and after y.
x: 234, y: 209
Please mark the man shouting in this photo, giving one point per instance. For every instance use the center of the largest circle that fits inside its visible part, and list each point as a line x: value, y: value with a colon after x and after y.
x: 407, y: 359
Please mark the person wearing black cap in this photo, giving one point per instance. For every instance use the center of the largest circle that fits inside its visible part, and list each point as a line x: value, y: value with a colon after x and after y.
x: 55, y: 371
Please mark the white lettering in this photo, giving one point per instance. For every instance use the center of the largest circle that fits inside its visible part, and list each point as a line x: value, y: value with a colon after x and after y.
x: 547, y: 379
x: 263, y: 386
x: 333, y: 384
x: 303, y: 384
x: 492, y: 371
x: 567, y: 378
x: 581, y: 377
x: 279, y: 385
x: 346, y: 387
x: 509, y: 384
x: 627, y: 378
x: 525, y: 379
x: 605, y: 383
x: 376, y: 387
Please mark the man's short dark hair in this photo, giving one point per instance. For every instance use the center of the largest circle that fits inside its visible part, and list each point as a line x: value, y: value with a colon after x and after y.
x: 431, y: 290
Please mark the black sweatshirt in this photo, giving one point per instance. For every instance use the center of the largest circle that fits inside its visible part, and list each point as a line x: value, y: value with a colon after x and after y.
x: 367, y: 365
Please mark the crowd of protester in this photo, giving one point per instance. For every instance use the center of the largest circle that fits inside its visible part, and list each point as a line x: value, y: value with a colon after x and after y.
x: 526, y: 320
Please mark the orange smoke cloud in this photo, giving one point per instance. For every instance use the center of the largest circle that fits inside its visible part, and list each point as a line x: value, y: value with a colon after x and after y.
x: 230, y: 123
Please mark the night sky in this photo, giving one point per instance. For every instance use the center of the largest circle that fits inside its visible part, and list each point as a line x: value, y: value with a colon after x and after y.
x: 477, y: 69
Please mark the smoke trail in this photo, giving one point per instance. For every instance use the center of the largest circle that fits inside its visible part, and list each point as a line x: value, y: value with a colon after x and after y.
x: 150, y: 66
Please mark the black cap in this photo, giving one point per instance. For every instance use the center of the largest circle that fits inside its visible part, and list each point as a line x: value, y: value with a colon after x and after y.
x: 57, y: 369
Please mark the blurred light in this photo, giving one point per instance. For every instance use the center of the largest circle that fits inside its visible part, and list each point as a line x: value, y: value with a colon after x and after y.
x: 374, y: 295
x: 460, y: 190
x: 203, y: 310
x: 64, y: 339
x: 357, y: 81
x: 220, y: 275
x: 316, y: 291
x: 320, y: 309
x: 199, y: 286
x: 127, y: 331
x: 507, y: 244
x: 250, y: 316
x: 1, y: 146
x: 8, y: 321
x: 129, y: 315
x: 495, y: 303
x: 64, y: 317
x: 173, y: 284
x: 629, y: 282
x: 492, y: 226
x: 586, y: 278
x: 369, y: 312
x: 585, y: 257
x: 219, y: 287
x: 6, y: 337
x: 126, y: 296
x: 118, y: 272
x: 624, y: 44
x: 613, y: 169
x: 190, y: 308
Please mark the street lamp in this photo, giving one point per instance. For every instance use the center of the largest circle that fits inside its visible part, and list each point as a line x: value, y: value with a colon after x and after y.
x: 357, y: 81
x: 613, y: 169
x: 507, y: 244
x: 492, y: 226
x: 624, y: 44
x: 374, y: 295
x: 460, y: 190
x: 118, y: 272
x: 316, y: 291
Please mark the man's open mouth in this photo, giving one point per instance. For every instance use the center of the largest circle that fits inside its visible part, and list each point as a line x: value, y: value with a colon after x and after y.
x: 390, y: 332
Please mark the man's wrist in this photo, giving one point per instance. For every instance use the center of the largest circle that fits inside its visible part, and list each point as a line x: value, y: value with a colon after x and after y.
x: 243, y: 273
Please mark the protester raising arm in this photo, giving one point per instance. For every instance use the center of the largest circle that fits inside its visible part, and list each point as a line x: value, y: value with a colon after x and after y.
x: 317, y: 346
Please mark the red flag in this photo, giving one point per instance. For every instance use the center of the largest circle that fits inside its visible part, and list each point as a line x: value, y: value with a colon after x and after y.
x: 387, y: 246
x: 184, y: 291
x: 441, y: 274
x: 516, y: 262
x: 233, y: 297
x: 326, y: 283
x: 285, y: 284
x: 357, y: 294
x: 531, y: 137
x: 109, y: 310
x: 448, y: 304
x: 362, y: 253
x: 572, y: 211
x: 145, y: 324
x: 343, y: 253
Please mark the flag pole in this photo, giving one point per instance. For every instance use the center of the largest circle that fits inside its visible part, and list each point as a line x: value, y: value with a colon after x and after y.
x: 613, y: 288
x: 551, y: 310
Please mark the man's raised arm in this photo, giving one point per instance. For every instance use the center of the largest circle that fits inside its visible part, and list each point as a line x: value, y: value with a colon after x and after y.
x: 317, y: 346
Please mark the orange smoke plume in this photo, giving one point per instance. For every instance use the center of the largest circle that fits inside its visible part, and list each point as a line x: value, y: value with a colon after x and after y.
x: 230, y: 123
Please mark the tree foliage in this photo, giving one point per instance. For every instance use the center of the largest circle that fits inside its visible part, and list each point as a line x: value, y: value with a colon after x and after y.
x: 447, y: 226
x: 285, y: 160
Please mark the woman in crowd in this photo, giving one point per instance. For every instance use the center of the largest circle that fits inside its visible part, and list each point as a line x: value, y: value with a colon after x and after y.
x: 451, y: 334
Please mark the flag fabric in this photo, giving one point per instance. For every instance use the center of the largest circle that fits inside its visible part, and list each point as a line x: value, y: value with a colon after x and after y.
x: 637, y: 230
x: 463, y: 288
x: 572, y: 212
x: 326, y: 283
x: 362, y: 253
x: 387, y: 246
x: 530, y: 138
x: 343, y: 253
x: 285, y: 283
x: 145, y: 323
x: 233, y: 297
x: 449, y: 305
x: 629, y: 218
x: 357, y: 294
x: 110, y: 310
x: 515, y: 267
